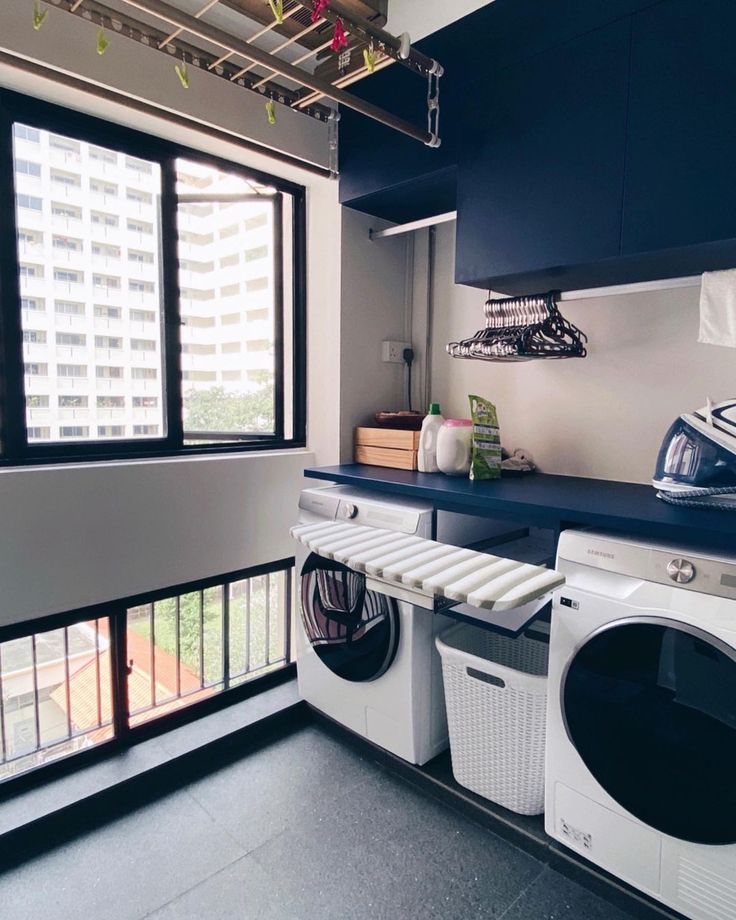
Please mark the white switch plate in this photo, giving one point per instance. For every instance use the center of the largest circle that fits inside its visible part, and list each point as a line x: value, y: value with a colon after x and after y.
x: 393, y: 352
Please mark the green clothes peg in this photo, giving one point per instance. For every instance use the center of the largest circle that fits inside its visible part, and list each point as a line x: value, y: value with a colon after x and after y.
x: 39, y: 16
x: 182, y: 73
x: 369, y: 56
x: 277, y: 8
x: 103, y: 43
x: 271, y: 112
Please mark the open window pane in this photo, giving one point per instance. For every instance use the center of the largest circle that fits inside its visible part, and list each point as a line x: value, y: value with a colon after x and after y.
x: 89, y: 230
x: 55, y: 695
x: 230, y: 278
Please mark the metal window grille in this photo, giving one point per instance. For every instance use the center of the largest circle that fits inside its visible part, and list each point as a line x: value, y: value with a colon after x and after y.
x: 93, y: 681
x: 55, y: 694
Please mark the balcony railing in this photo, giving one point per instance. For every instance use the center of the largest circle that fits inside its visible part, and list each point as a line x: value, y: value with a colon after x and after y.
x: 87, y: 683
x: 191, y: 646
x: 62, y: 222
x: 55, y: 695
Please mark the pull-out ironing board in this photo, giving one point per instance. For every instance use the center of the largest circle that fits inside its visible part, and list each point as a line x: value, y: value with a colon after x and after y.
x: 428, y: 573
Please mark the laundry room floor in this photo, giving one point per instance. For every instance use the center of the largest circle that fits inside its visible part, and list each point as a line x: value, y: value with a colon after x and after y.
x: 303, y: 828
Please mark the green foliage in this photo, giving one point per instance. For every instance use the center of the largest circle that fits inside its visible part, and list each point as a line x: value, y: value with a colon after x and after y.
x: 247, y: 633
x: 216, y: 409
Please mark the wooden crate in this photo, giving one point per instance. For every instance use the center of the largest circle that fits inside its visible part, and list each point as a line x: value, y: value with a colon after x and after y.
x: 387, y: 447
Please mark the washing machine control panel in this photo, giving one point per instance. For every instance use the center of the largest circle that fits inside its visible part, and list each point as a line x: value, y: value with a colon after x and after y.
x: 653, y: 561
x: 681, y: 571
x: 379, y: 515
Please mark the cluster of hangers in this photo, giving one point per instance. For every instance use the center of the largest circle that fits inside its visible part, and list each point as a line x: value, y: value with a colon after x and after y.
x: 522, y: 328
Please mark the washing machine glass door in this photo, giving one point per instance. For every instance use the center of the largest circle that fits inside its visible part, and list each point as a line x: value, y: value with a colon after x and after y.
x: 651, y: 708
x: 355, y: 632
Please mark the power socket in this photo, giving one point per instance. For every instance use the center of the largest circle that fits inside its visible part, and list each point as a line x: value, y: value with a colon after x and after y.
x: 393, y: 352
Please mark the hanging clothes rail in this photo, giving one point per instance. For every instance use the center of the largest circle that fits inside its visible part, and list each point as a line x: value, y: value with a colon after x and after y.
x: 614, y: 290
x: 422, y: 224
x: 310, y: 89
x: 638, y: 287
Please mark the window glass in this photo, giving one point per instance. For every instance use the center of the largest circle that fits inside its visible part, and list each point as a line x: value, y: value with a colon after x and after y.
x: 73, y: 402
x: 224, y: 221
x: 101, y: 235
x: 73, y: 262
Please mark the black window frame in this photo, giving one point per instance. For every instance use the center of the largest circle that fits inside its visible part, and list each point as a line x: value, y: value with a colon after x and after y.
x: 15, y: 450
x: 126, y: 735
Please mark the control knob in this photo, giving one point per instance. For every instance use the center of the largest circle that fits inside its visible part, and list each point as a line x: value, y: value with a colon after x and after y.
x: 681, y: 571
x: 350, y: 511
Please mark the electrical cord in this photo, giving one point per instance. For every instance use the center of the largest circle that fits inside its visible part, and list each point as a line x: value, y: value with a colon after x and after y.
x: 699, y: 498
x: 409, y: 360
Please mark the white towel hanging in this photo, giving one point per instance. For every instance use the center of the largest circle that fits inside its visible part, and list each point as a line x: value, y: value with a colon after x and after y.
x: 718, y: 309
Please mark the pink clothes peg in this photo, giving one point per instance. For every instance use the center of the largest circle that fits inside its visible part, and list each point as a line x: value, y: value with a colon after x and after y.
x: 319, y: 7
x: 339, y: 39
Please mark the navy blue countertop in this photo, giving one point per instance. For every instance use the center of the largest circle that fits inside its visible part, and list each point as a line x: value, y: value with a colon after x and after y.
x: 552, y: 501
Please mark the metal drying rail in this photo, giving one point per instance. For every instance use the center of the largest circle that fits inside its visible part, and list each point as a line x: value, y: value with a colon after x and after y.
x: 436, y: 570
x: 248, y: 65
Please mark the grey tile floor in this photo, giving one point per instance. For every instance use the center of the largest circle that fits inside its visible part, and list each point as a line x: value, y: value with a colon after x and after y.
x: 304, y: 829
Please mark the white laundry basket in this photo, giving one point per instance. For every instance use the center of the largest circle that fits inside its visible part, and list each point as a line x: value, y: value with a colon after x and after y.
x: 496, y: 694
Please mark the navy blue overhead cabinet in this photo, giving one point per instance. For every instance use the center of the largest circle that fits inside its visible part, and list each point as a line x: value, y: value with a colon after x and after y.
x: 680, y: 186
x: 540, y: 180
x: 608, y: 160
x: 585, y: 142
x: 386, y: 173
x: 391, y: 176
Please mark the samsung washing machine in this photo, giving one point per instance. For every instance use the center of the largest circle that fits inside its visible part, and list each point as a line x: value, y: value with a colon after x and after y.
x: 365, y: 659
x: 641, y: 728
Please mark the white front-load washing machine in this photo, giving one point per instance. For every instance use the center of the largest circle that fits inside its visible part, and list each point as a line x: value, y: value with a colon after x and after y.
x: 641, y: 727
x: 365, y: 659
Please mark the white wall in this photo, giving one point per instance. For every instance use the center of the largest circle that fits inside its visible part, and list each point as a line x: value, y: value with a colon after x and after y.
x: 424, y: 18
x: 600, y: 417
x: 83, y: 535
x: 374, y: 300
x: 78, y: 535
x: 67, y: 43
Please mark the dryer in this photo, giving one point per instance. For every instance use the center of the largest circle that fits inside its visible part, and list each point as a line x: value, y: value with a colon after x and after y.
x: 641, y: 727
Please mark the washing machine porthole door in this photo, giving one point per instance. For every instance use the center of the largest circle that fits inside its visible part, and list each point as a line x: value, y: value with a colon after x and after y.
x: 650, y: 706
x: 354, y: 632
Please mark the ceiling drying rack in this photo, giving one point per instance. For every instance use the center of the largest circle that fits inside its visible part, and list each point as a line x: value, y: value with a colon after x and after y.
x: 242, y: 62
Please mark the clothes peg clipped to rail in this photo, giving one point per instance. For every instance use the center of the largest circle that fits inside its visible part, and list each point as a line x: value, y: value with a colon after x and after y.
x: 369, y: 57
x: 339, y: 39
x: 319, y: 8
x: 271, y: 112
x: 103, y: 42
x: 39, y: 16
x: 182, y: 72
x: 277, y: 8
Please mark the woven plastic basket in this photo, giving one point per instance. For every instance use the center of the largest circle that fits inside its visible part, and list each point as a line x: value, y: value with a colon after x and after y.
x: 496, y: 695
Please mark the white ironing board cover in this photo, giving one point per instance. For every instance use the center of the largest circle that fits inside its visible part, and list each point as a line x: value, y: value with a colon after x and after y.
x: 434, y: 569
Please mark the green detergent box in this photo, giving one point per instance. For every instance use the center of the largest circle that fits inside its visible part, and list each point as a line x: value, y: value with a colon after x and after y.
x: 486, y: 449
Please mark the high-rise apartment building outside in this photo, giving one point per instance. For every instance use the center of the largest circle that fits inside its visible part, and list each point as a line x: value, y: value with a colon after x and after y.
x: 90, y: 253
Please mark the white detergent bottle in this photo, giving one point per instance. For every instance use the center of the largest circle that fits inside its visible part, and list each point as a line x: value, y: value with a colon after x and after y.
x: 427, y: 458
